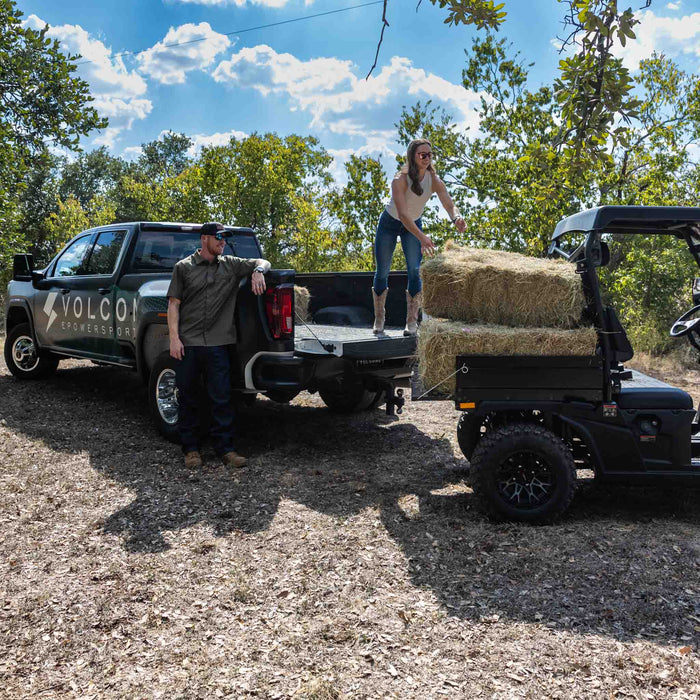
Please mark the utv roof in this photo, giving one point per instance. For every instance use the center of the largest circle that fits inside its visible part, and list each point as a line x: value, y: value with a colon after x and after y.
x: 614, y: 219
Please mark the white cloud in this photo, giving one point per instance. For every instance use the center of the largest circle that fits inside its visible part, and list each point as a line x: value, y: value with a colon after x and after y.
x: 189, y: 47
x: 673, y: 6
x: 328, y: 88
x: 217, y: 139
x: 118, y: 92
x: 673, y: 36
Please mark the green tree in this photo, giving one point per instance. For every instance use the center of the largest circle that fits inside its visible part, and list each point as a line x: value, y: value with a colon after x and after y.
x: 533, y: 163
x: 93, y: 174
x: 357, y: 207
x: 42, y: 104
x: 165, y: 157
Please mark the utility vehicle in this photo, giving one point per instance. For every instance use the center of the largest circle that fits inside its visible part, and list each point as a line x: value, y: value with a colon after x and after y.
x: 530, y: 422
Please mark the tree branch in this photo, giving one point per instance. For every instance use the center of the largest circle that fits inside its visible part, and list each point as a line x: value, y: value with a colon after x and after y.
x: 385, y: 24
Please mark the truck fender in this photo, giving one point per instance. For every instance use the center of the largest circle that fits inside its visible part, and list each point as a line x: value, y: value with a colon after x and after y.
x: 154, y: 340
x: 18, y: 311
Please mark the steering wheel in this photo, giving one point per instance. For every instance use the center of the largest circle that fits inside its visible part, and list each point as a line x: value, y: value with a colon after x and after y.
x: 686, y: 325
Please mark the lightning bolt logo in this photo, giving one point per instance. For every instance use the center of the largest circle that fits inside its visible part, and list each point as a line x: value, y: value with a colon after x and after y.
x: 48, y: 308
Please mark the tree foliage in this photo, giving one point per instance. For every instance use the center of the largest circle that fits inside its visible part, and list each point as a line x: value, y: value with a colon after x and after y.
x: 42, y: 104
x: 594, y: 136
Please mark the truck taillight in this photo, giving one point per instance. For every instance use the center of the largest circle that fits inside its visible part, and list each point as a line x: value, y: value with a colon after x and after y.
x: 279, y: 306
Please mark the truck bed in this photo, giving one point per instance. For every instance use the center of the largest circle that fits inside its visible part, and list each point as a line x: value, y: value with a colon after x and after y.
x: 351, y: 342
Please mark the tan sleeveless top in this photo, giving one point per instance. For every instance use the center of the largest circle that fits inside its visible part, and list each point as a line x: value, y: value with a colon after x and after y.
x: 414, y: 203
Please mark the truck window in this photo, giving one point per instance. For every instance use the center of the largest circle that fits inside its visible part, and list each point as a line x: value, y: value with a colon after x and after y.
x: 70, y: 262
x: 160, y: 250
x: 103, y: 256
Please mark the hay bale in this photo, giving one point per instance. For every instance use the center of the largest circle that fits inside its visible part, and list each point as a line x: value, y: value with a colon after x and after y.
x: 302, y: 297
x: 440, y: 341
x: 498, y: 287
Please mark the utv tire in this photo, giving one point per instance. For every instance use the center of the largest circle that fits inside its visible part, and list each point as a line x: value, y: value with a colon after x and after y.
x: 162, y: 397
x: 524, y: 472
x: 347, y: 394
x: 22, y: 357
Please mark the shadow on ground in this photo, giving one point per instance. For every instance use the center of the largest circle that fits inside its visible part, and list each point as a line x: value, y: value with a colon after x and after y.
x: 623, y: 563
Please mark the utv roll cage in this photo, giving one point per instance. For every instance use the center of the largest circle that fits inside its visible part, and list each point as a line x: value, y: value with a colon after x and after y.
x: 593, y: 252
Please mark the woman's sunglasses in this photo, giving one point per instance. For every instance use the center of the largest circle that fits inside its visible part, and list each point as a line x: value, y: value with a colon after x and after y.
x: 427, y: 154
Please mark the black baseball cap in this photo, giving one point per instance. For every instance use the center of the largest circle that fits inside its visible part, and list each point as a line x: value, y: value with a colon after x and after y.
x: 213, y: 228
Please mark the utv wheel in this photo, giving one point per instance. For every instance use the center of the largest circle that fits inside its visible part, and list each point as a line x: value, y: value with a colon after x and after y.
x: 523, y: 471
x: 22, y: 357
x: 347, y: 394
x: 162, y: 397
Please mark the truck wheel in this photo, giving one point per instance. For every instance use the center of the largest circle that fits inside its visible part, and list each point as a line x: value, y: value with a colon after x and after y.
x: 347, y: 394
x: 162, y: 397
x: 22, y: 358
x: 522, y: 471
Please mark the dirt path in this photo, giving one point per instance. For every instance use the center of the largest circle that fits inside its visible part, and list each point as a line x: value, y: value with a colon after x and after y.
x: 348, y: 560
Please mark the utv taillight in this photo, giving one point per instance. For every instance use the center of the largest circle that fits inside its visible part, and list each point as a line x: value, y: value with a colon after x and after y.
x: 279, y: 306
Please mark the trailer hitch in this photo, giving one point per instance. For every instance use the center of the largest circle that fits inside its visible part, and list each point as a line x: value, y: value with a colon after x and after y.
x: 394, y: 400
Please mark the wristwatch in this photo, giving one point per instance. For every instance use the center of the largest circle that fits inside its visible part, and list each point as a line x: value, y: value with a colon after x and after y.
x: 260, y: 269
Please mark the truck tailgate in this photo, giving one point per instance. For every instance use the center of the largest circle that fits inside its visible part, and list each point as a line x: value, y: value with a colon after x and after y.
x: 356, y: 343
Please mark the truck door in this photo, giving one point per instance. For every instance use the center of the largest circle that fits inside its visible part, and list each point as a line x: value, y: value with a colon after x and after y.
x: 77, y: 304
x: 53, y: 315
x: 96, y: 291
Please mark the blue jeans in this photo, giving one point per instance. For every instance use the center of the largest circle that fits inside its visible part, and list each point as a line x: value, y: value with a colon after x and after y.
x: 388, y: 230
x: 214, y: 364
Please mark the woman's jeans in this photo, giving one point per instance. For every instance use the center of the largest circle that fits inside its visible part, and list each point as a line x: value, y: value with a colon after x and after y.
x: 214, y: 363
x: 388, y: 230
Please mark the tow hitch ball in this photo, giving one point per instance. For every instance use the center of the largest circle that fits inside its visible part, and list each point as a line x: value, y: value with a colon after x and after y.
x: 394, y: 401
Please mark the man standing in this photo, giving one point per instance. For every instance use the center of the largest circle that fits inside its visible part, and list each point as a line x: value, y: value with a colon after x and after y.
x: 201, y: 304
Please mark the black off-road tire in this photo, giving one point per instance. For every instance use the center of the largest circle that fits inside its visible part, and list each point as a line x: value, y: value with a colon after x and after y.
x: 347, y: 394
x: 162, y: 396
x: 524, y: 472
x: 22, y: 357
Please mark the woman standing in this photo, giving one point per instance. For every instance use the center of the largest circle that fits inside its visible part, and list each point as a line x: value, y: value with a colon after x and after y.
x: 411, y: 189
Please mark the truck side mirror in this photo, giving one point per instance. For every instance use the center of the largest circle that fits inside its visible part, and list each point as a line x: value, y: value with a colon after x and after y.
x: 696, y: 291
x: 22, y: 265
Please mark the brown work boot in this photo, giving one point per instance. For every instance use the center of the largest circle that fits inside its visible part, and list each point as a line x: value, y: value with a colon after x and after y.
x: 193, y: 460
x: 233, y: 459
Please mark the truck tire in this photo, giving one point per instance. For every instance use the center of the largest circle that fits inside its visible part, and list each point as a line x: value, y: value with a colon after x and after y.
x: 524, y: 472
x: 22, y: 358
x: 162, y: 397
x: 347, y: 394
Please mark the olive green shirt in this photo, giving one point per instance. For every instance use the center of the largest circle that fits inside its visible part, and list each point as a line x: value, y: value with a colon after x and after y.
x: 207, y: 294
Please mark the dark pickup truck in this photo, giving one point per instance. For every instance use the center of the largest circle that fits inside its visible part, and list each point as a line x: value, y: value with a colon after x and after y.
x: 103, y: 298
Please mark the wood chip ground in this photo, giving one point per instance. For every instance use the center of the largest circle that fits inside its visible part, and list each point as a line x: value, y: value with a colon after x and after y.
x: 348, y: 560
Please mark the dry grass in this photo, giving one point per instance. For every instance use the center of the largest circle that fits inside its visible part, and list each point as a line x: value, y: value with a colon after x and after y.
x: 502, y: 288
x: 440, y: 342
x: 347, y: 561
x: 302, y: 297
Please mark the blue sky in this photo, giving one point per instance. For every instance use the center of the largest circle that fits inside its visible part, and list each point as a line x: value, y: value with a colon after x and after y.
x: 305, y: 77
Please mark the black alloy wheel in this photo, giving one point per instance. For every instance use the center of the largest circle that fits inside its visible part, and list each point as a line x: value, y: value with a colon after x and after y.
x: 524, y: 472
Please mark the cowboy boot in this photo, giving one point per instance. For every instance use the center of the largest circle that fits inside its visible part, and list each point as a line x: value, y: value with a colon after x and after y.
x: 379, y: 311
x: 412, y: 308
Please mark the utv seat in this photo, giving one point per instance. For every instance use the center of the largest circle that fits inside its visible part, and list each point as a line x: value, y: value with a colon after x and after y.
x: 644, y: 392
x: 654, y: 397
